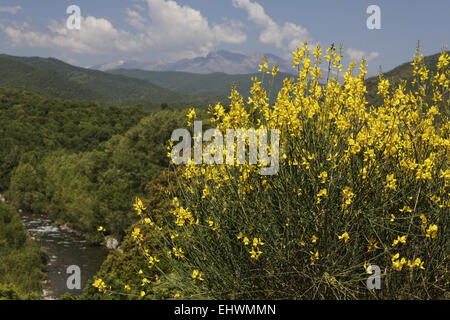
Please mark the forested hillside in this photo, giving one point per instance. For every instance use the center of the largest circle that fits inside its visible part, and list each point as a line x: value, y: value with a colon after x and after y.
x: 53, y: 78
x: 80, y: 163
x: 35, y: 125
x: 21, y: 260
x: 213, y: 84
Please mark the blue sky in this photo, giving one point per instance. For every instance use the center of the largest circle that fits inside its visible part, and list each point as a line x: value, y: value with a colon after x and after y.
x: 171, y: 30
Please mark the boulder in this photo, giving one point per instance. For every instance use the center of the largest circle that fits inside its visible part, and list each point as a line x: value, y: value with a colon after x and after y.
x: 111, y: 243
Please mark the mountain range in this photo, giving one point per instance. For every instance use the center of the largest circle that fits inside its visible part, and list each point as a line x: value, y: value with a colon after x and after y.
x: 219, y: 61
x: 53, y: 78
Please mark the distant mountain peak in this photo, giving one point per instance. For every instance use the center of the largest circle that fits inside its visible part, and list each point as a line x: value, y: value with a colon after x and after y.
x: 215, y: 61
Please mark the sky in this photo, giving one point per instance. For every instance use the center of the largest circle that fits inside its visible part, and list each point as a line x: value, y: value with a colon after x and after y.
x: 152, y: 30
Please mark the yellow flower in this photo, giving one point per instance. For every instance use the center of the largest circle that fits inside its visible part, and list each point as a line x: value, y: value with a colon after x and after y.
x: 417, y: 263
x: 127, y: 287
x: 344, y: 236
x: 372, y: 244
x: 395, y: 257
x: 183, y: 214
x: 257, y: 241
x: 348, y: 197
x: 275, y: 70
x: 397, y: 264
x: 314, y: 257
x: 405, y: 209
x: 136, y: 234
x: 322, y: 193
x: 432, y: 231
x: 246, y: 241
x: 399, y: 239
x: 145, y: 281
x: 423, y: 218
x: 383, y: 87
x: 391, y: 182
x: 178, y: 252
x: 138, y: 206
x: 152, y: 260
x: 332, y: 281
x: 191, y: 116
x: 142, y: 293
x: 323, y: 176
x: 254, y: 254
x: 99, y: 284
x: 149, y: 222
x: 314, y: 239
x: 101, y: 229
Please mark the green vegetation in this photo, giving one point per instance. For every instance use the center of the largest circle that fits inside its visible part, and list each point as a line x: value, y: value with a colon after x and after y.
x: 214, y: 84
x: 78, y: 163
x: 53, y: 78
x: 70, y: 161
x: 397, y: 75
x: 84, y: 164
x: 24, y: 282
x: 32, y: 126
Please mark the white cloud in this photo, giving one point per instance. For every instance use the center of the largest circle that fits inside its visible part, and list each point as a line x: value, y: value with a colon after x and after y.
x: 11, y: 10
x: 288, y: 36
x: 136, y: 20
x: 183, y: 31
x: 285, y: 37
x: 96, y: 36
x: 357, y: 55
x: 165, y: 28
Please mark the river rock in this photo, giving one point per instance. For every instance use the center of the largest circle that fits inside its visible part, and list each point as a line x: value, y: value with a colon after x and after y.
x: 65, y: 227
x: 111, y: 243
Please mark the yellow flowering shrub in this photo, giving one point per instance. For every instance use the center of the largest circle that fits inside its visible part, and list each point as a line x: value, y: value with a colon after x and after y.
x: 368, y: 184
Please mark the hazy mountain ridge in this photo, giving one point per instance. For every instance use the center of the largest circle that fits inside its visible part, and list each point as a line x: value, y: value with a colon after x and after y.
x: 218, y: 61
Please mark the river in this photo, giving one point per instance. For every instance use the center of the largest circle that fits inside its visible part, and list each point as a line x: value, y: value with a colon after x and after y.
x: 65, y: 249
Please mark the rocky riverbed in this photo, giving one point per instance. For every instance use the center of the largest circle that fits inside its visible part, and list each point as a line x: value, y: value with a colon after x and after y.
x: 65, y: 249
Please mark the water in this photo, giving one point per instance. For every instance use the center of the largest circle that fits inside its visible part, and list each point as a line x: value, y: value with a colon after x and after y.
x: 65, y: 249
